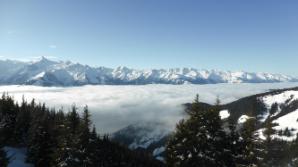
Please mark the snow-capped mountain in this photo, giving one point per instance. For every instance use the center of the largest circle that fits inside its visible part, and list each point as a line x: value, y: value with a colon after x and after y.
x: 279, y: 106
x: 46, y: 72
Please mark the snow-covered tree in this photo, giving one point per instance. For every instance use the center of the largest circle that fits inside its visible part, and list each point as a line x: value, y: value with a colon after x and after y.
x: 199, y: 140
x: 250, y: 143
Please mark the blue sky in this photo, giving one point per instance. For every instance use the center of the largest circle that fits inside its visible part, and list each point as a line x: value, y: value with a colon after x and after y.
x: 250, y: 35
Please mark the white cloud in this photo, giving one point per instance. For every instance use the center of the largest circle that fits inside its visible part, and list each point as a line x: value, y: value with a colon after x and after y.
x: 53, y: 46
x: 114, y: 107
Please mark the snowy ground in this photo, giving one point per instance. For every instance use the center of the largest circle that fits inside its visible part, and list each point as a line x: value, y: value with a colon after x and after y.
x: 17, y: 157
x: 224, y: 114
x: 114, y: 107
x: 287, y: 121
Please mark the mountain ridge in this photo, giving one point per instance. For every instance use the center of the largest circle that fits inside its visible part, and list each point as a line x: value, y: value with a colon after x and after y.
x: 280, y: 106
x: 45, y: 72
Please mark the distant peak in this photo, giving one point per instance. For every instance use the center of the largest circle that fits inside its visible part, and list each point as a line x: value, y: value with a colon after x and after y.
x: 122, y: 68
x: 44, y: 60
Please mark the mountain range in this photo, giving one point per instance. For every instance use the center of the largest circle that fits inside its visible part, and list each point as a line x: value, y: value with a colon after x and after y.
x: 279, y: 106
x: 45, y: 72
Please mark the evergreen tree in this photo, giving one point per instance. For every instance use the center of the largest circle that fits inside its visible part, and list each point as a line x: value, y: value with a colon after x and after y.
x: 249, y: 143
x: 42, y: 144
x: 199, y: 140
x: 93, y: 151
x: 84, y: 138
x: 70, y: 155
x: 55, y: 139
x: 73, y: 119
x: 8, y: 116
x: 85, y: 128
x: 23, y: 121
x: 235, y: 143
x: 268, y: 152
x: 293, y: 161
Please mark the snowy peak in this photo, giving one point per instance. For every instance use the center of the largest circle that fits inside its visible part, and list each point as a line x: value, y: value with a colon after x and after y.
x: 46, y: 72
x: 43, y: 62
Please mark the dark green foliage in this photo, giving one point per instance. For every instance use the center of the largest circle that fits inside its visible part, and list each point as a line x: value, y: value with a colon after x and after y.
x: 294, y: 152
x: 236, y: 144
x: 8, y: 115
x: 274, y: 109
x: 249, y: 155
x: 58, y: 139
x: 41, y: 146
x: 200, y: 140
x: 23, y: 121
x: 269, y: 151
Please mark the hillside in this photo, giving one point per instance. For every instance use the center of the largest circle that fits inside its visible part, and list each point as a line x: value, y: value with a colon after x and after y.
x: 279, y: 106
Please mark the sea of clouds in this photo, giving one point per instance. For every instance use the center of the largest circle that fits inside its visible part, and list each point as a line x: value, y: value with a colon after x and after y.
x: 115, y: 107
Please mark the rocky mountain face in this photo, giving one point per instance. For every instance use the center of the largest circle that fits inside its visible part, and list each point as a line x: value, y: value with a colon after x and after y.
x: 46, y: 72
x: 280, y: 106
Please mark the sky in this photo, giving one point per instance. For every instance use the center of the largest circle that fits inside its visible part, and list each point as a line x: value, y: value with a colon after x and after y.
x: 249, y: 35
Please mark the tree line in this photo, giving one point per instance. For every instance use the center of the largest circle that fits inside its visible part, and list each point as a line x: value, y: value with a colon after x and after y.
x: 203, y: 139
x: 55, y: 138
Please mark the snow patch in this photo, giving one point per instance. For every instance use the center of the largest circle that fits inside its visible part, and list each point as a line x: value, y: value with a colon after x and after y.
x: 289, y: 121
x: 282, y: 98
x: 160, y: 158
x: 158, y: 151
x: 17, y: 157
x: 38, y: 76
x: 243, y: 119
x: 224, y: 114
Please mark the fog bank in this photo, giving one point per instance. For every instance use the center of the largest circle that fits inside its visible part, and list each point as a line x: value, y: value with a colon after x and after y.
x: 114, y: 107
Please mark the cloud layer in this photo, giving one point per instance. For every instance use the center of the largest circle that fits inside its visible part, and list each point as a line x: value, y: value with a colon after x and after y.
x: 115, y: 107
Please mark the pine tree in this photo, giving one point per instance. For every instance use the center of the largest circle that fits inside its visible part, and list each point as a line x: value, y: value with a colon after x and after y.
x: 293, y: 152
x: 73, y: 121
x: 235, y: 143
x: 8, y: 116
x: 268, y: 158
x: 249, y: 143
x: 85, y: 128
x: 69, y: 153
x: 23, y: 122
x: 93, y: 151
x: 42, y: 144
x: 55, y: 139
x: 84, y: 138
x: 199, y: 140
